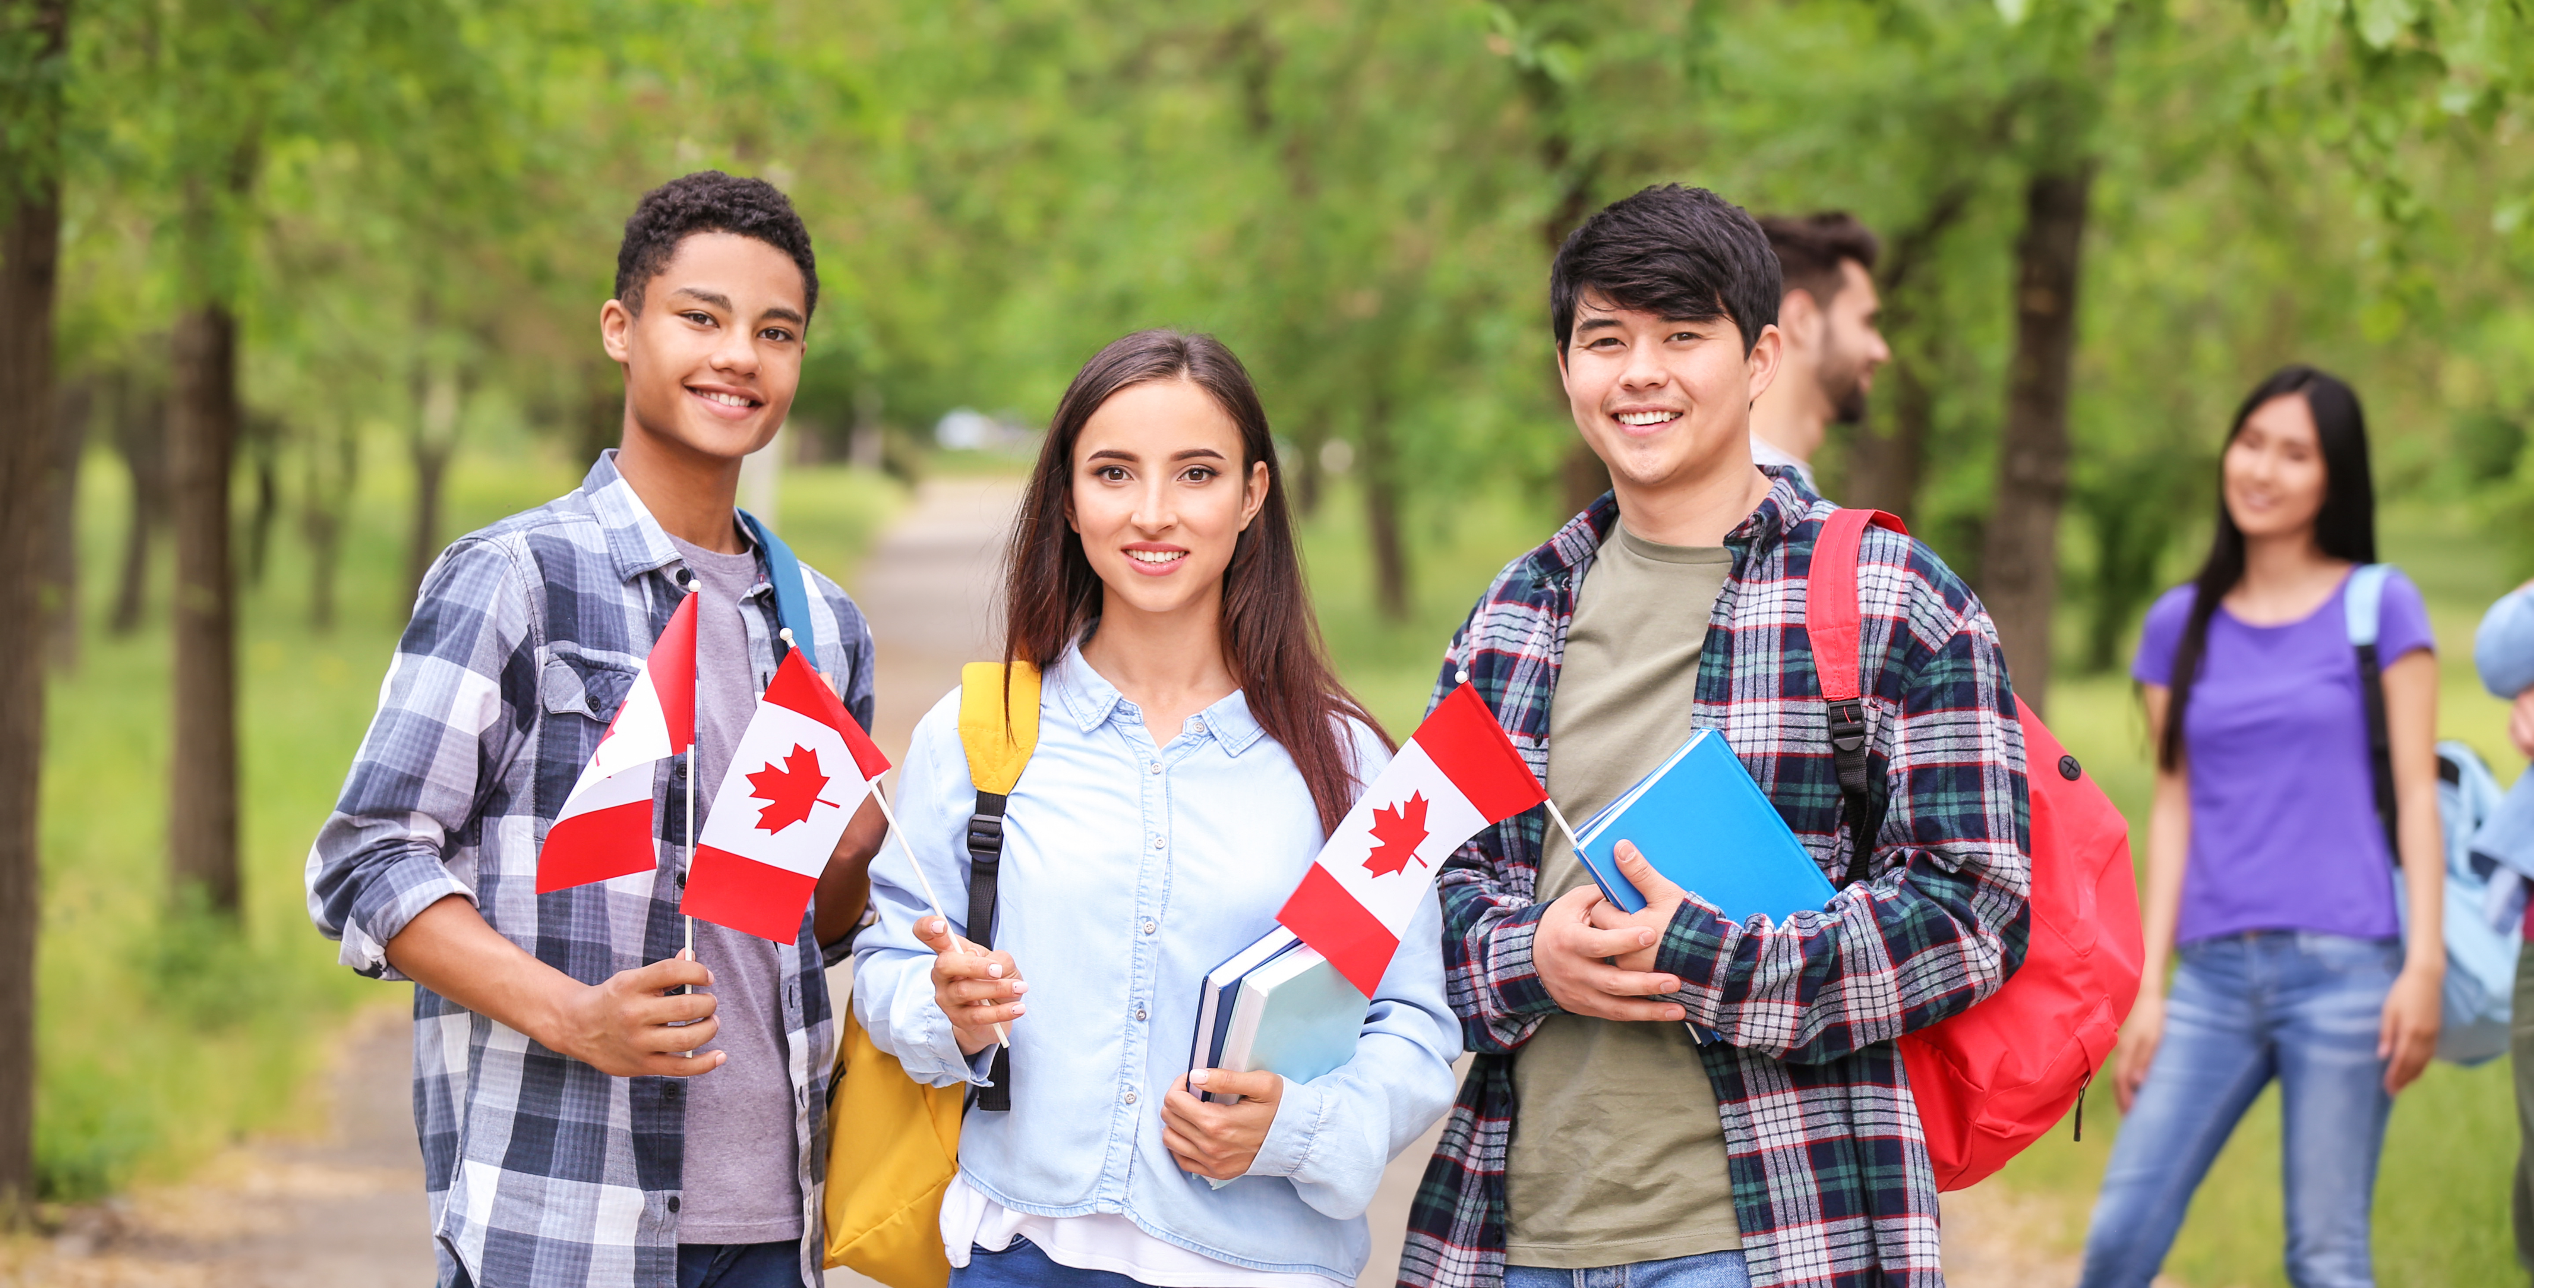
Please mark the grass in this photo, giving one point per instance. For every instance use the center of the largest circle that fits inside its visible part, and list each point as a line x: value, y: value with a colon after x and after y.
x: 164, y: 1033
x: 2443, y: 1211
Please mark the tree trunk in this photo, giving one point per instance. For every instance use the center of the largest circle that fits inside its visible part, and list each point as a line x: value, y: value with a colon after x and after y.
x: 1883, y: 471
x: 330, y: 474
x: 2019, y: 568
x: 60, y: 569
x: 264, y: 434
x: 433, y: 443
x: 30, y: 244
x: 1383, y: 495
x: 142, y: 427
x: 205, y: 418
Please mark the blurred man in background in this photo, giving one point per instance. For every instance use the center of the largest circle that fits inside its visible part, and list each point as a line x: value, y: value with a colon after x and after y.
x: 1829, y: 332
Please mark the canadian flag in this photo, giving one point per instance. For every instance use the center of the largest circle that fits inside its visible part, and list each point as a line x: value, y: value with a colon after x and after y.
x: 606, y: 827
x: 1458, y: 776
x: 801, y: 770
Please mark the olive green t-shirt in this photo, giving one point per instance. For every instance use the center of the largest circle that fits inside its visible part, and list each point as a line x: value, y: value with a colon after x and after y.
x: 1616, y: 1153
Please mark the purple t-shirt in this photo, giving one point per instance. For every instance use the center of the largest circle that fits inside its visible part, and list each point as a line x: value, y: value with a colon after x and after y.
x: 2284, y: 835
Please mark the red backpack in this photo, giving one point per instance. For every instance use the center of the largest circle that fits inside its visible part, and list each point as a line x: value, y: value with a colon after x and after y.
x: 1991, y: 1079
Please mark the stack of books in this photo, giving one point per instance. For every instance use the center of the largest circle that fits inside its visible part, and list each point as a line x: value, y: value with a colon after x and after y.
x: 1277, y: 1007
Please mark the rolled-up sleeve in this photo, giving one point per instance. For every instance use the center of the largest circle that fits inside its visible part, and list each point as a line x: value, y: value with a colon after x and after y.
x: 1333, y: 1137
x: 458, y: 697
x: 891, y: 982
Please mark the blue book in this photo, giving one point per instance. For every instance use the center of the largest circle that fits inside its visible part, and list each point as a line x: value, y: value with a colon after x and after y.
x: 1701, y: 821
x: 1220, y: 988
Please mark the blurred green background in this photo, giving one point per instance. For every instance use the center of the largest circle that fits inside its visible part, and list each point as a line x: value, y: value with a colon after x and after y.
x: 412, y: 210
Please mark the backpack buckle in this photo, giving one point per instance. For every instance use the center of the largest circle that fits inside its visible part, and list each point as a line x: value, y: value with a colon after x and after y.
x: 984, y: 835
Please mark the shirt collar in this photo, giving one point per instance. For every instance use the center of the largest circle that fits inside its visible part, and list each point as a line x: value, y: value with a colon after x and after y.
x: 1787, y: 505
x: 635, y: 538
x: 1089, y: 699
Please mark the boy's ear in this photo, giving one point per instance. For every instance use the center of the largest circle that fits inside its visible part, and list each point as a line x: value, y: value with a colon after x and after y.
x: 616, y: 328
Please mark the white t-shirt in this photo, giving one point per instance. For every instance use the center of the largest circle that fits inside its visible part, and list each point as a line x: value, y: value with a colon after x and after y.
x: 969, y: 1219
x: 1766, y: 454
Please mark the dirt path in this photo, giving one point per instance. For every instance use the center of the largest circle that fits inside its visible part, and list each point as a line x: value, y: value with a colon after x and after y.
x: 346, y: 1210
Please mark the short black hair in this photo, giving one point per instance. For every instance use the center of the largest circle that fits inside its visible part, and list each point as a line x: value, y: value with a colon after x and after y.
x: 1812, y: 249
x: 709, y: 201
x: 1673, y: 251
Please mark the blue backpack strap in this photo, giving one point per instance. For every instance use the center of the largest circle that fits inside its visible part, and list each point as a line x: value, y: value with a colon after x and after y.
x: 786, y: 581
x: 2361, y: 594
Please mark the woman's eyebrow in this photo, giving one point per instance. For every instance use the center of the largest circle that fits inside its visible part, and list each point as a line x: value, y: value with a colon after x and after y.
x: 1112, y: 454
x: 1194, y: 453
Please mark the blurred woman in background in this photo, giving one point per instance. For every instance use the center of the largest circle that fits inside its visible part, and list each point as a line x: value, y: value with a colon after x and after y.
x: 2268, y: 863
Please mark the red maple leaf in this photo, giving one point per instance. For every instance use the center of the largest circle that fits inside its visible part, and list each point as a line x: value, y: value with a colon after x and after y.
x: 1400, y: 831
x: 791, y: 790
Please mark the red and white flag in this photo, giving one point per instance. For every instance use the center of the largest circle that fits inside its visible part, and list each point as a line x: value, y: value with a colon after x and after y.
x: 606, y: 827
x: 801, y: 770
x: 1458, y: 776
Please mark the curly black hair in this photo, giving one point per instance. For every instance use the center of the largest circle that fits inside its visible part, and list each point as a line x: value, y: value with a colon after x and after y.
x: 1682, y: 254
x: 709, y: 201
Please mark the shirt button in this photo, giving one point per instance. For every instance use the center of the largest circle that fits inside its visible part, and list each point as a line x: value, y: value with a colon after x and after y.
x: 1155, y: 768
x: 1151, y: 927
x: 672, y: 1203
x: 1158, y: 843
x: 1198, y: 726
x: 1140, y: 1012
x: 1128, y: 1099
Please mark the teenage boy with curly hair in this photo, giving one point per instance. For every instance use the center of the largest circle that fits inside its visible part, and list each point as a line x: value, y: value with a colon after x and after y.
x: 570, y: 1136
x: 1594, y: 1141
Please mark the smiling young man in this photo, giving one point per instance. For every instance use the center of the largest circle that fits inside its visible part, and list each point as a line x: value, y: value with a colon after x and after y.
x: 1595, y: 1143
x: 581, y: 1123
x: 1829, y: 341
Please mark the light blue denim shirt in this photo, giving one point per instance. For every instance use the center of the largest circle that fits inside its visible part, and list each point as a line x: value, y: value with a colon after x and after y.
x: 1128, y: 872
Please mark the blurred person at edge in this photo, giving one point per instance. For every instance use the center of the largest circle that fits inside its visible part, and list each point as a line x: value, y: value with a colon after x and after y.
x: 1830, y: 347
x: 2507, y: 662
x: 2267, y: 864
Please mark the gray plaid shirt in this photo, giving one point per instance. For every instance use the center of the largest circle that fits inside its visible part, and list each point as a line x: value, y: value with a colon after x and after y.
x: 541, y: 1169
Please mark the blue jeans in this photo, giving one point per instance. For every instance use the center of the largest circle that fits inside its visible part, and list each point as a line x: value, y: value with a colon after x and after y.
x: 719, y: 1265
x: 1706, y: 1270
x: 1022, y: 1264
x: 743, y: 1265
x: 2246, y: 1009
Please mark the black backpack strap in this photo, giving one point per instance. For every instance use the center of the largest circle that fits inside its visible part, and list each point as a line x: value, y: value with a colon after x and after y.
x: 983, y: 887
x: 2383, y: 777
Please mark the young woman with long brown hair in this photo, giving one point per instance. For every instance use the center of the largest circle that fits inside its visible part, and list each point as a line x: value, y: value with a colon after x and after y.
x: 1194, y: 749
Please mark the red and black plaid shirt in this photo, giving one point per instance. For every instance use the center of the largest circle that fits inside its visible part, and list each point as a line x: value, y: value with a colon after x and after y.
x: 1832, y: 1185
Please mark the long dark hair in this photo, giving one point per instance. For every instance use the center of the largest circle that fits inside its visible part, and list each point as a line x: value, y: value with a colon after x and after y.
x: 1269, y: 636
x: 2346, y: 526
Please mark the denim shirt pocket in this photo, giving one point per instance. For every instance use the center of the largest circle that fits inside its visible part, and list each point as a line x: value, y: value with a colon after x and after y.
x: 588, y: 689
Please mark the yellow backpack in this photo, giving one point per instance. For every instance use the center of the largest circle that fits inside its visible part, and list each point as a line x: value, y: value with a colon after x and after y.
x: 894, y: 1140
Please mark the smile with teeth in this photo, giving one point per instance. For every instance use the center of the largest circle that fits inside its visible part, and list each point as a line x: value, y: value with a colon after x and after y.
x: 722, y: 399
x: 1155, y: 556
x: 1641, y: 419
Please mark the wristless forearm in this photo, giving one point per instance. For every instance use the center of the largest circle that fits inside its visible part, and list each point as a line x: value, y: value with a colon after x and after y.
x: 451, y: 951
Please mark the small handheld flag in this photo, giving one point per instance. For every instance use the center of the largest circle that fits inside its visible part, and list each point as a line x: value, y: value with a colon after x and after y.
x: 606, y: 827
x: 1458, y: 776
x: 799, y: 774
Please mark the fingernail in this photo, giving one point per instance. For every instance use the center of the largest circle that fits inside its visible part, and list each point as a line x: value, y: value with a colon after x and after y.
x: 939, y: 927
x: 994, y: 970
x: 1199, y: 1076
x: 1018, y: 987
x: 1018, y: 1010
